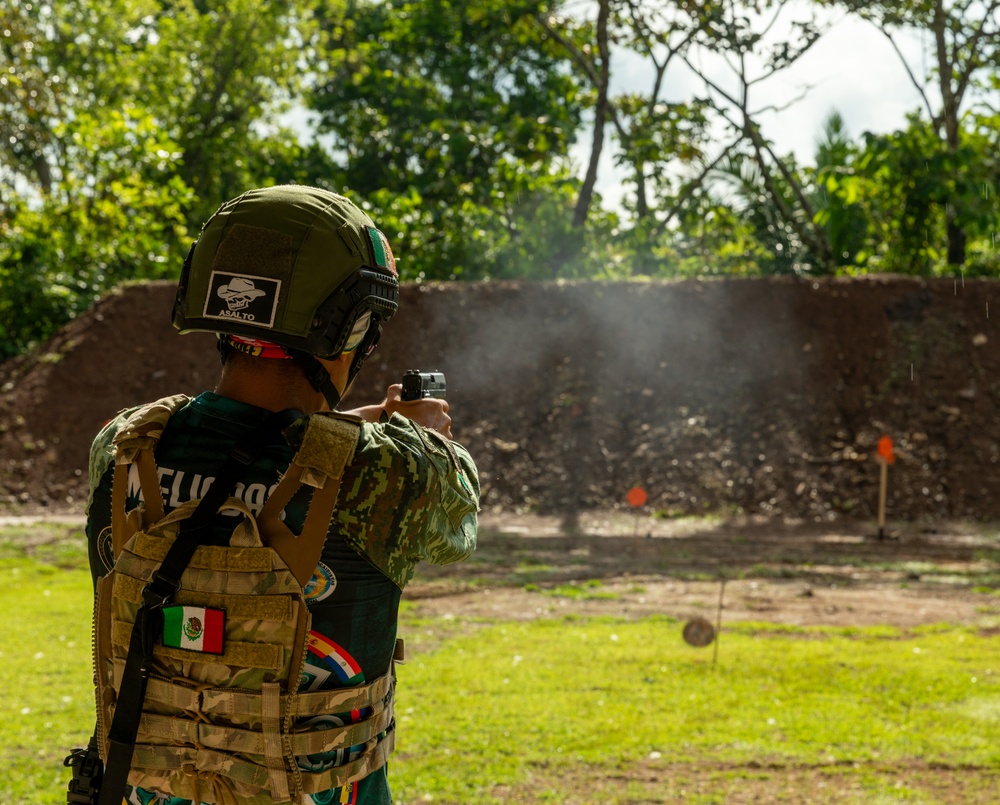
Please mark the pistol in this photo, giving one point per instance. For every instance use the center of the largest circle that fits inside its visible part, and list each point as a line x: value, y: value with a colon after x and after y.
x: 417, y: 385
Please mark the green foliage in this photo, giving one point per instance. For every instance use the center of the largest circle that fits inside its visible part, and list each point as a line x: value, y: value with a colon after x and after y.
x: 839, y: 213
x: 904, y: 184
x: 223, y: 71
x: 125, y: 123
x: 451, y: 120
x: 661, y: 140
x: 882, y: 204
x: 117, y: 213
x: 955, y: 80
x: 439, y: 94
x: 772, y: 242
x: 122, y: 126
x: 523, y: 231
x: 48, y: 706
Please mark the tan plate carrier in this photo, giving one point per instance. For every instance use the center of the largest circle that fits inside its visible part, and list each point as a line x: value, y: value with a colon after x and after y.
x: 222, y: 729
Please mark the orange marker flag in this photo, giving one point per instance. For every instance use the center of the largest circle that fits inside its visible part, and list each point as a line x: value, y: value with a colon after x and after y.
x: 636, y: 497
x: 885, y: 450
x: 885, y: 457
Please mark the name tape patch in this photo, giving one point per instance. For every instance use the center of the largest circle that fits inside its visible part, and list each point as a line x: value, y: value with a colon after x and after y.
x: 242, y: 297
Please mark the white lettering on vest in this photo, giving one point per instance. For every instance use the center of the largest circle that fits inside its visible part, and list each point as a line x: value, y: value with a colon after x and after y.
x: 164, y: 474
x: 255, y: 497
x: 175, y: 500
x: 175, y: 491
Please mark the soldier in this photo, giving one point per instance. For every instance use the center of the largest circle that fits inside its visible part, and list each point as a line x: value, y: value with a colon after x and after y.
x: 297, y: 283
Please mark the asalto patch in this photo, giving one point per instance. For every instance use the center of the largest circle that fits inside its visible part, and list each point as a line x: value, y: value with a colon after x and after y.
x: 243, y: 298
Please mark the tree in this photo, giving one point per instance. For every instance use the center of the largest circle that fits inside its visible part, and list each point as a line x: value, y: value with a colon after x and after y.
x: 111, y: 217
x: 123, y: 124
x: 834, y: 195
x: 742, y: 34
x: 224, y: 72
x: 906, y: 184
x: 452, y: 119
x: 653, y: 135
x: 965, y: 37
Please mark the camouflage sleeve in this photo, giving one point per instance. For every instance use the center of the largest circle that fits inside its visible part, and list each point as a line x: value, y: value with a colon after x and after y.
x: 410, y: 495
x: 102, y: 453
x: 99, y: 474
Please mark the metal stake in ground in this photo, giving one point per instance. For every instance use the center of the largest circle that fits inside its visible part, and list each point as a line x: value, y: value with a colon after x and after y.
x: 718, y: 622
x: 884, y: 457
x: 699, y: 632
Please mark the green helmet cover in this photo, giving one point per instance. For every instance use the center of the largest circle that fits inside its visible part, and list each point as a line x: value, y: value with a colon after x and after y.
x: 291, y: 264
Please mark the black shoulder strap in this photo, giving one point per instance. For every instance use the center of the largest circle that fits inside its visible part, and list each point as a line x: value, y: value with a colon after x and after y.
x: 161, y: 588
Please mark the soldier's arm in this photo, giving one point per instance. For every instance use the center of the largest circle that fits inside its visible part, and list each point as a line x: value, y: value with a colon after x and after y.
x: 431, y: 412
x: 411, y: 495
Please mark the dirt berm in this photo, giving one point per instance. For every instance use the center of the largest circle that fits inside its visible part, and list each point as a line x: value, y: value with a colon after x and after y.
x: 762, y: 396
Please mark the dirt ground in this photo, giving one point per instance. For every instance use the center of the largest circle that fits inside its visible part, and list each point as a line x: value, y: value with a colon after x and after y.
x: 789, y: 573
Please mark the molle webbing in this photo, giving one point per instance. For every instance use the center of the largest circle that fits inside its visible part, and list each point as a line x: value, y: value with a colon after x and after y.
x: 241, y: 705
x: 249, y: 781
x: 171, y: 731
x: 327, y: 448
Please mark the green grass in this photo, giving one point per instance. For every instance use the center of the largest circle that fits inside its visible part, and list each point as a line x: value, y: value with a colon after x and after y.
x: 490, y: 710
x: 47, y: 703
x: 516, y: 698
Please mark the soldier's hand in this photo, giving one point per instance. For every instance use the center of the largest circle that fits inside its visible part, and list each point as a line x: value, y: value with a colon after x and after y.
x: 429, y: 411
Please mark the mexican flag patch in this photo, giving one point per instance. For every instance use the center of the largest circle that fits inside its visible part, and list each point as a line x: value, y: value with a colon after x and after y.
x: 194, y: 628
x: 382, y: 250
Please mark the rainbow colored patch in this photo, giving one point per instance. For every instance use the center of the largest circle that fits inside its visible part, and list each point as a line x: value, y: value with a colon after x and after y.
x: 336, y: 659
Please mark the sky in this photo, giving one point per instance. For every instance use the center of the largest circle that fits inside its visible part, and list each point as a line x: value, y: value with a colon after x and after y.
x: 852, y: 69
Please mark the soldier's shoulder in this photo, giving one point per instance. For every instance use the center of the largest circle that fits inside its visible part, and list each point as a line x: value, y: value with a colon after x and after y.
x: 102, y: 449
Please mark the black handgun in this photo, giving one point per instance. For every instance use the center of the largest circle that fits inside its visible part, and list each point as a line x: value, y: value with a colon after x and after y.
x: 417, y: 385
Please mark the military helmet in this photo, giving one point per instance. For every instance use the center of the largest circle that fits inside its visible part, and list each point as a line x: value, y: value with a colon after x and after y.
x: 293, y: 265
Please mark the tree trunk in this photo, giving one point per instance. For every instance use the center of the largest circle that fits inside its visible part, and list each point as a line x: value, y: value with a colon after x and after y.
x: 641, y: 204
x: 956, y: 241
x: 44, y: 173
x: 949, y: 119
x: 600, y: 117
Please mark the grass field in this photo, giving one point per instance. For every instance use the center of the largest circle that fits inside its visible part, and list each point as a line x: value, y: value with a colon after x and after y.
x: 574, y: 709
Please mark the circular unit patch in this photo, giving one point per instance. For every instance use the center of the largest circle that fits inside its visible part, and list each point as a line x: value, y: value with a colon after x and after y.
x: 321, y: 585
x: 105, y: 549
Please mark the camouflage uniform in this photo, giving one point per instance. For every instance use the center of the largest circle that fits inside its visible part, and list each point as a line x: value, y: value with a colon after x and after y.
x: 408, y: 495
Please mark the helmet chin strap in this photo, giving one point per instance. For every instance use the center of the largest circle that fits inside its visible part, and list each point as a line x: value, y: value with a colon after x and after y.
x: 318, y: 376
